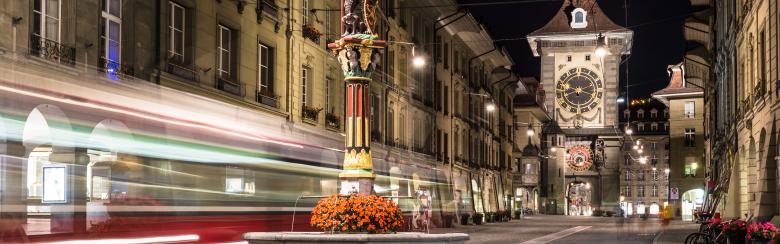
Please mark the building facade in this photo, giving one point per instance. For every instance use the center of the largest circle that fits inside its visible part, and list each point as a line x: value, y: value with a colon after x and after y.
x: 685, y: 101
x: 580, y: 49
x: 643, y: 171
x: 233, y: 75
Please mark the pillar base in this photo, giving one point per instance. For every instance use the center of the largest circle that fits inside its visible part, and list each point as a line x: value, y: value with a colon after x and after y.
x: 357, y: 182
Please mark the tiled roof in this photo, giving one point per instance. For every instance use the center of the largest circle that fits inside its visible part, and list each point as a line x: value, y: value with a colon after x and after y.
x: 597, y: 20
x: 677, y: 84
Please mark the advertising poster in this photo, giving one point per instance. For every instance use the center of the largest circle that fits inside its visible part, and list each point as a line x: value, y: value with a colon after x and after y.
x: 54, y: 184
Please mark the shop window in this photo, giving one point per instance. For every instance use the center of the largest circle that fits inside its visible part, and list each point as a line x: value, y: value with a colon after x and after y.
x: 239, y: 180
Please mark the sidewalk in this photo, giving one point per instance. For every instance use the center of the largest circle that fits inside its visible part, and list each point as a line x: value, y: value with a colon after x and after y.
x: 676, y: 232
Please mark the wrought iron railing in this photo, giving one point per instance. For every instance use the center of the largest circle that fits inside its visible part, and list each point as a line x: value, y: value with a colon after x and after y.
x: 229, y: 86
x: 332, y: 121
x: 310, y: 113
x: 268, y: 98
x: 52, y: 50
x: 182, y: 70
x: 114, y: 70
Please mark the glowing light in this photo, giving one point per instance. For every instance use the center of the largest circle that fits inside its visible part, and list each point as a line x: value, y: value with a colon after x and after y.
x: 640, y: 150
x: 530, y: 131
x: 601, y: 51
x: 694, y: 166
x: 643, y: 160
x: 621, y: 100
x: 158, y: 239
x: 490, y: 107
x: 636, y: 147
x: 418, y: 61
x: 654, y: 169
x: 587, y: 185
x: 622, y: 198
x: 553, y: 149
x: 629, y: 131
x: 666, y: 170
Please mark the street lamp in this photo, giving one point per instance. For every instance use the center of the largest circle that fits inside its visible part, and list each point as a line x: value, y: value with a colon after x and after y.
x: 553, y: 149
x: 490, y: 107
x: 629, y: 131
x: 601, y: 47
x: 642, y: 160
x: 417, y: 61
x: 529, y: 131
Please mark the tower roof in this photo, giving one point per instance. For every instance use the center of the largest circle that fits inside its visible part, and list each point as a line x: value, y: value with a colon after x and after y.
x: 560, y: 23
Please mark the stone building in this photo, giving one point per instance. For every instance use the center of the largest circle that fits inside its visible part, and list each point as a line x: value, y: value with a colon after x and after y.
x: 580, y: 49
x: 444, y: 132
x: 643, y: 177
x: 684, y: 98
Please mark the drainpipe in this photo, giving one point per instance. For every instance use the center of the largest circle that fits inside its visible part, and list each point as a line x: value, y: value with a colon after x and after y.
x: 288, y: 71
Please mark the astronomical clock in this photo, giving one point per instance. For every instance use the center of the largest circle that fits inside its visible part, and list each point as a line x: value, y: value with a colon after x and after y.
x: 579, y: 92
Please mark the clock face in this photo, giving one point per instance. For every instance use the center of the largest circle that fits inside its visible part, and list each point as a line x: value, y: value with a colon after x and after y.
x: 579, y: 90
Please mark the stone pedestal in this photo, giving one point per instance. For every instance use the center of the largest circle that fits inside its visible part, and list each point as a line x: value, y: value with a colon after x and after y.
x: 319, y: 237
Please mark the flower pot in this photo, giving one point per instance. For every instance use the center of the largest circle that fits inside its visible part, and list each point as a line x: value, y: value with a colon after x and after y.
x: 736, y: 240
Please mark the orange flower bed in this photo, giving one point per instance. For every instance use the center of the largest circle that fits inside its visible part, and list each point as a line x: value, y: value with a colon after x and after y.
x: 357, y: 213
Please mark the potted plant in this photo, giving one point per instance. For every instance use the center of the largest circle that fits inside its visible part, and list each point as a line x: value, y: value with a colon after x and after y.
x: 735, y: 230
x: 477, y: 218
x: 357, y: 214
x: 464, y: 219
x: 761, y: 232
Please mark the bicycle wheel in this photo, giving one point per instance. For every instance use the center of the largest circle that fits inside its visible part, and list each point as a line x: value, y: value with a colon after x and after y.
x: 697, y: 238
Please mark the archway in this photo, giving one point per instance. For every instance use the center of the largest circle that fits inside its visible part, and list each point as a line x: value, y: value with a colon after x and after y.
x: 691, y: 200
x: 53, y: 173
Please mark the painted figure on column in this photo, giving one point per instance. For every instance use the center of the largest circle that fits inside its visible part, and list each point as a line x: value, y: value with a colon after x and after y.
x: 358, y: 52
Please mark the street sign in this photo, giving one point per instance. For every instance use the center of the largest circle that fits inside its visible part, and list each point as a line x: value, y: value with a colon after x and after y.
x: 674, y: 193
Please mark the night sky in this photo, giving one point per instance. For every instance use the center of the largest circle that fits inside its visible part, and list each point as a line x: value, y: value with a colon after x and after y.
x: 657, y: 26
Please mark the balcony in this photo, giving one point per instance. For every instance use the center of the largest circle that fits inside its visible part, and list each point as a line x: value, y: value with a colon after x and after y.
x: 332, y: 121
x: 114, y: 70
x: 268, y: 99
x: 229, y: 86
x: 52, y: 50
x: 758, y: 92
x: 310, y: 114
x: 182, y: 70
x: 311, y: 33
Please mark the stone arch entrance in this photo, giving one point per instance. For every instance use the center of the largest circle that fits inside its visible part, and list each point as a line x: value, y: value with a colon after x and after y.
x: 691, y: 200
x: 54, y: 172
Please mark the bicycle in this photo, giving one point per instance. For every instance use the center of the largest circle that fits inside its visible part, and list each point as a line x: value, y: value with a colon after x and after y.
x: 707, y: 235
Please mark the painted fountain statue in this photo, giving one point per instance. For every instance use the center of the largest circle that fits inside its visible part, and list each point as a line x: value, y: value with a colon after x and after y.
x: 356, y: 215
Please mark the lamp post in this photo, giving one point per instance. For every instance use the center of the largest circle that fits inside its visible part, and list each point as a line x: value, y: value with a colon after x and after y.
x: 358, y: 52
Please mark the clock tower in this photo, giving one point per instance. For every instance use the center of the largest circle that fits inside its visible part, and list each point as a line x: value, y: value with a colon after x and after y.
x: 581, y: 49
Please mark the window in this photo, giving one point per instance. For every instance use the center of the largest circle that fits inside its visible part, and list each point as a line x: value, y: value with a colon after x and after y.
x: 391, y: 66
x: 641, y: 176
x: 654, y: 191
x: 655, y: 175
x: 653, y: 113
x: 328, y: 94
x: 305, y: 72
x: 654, y: 160
x: 654, y: 127
x: 568, y: 58
x: 111, y: 36
x: 627, y: 158
x: 627, y: 175
x: 587, y: 57
x: 690, y: 137
x: 238, y: 180
x: 578, y: 17
x: 666, y: 127
x: 689, y: 170
x: 666, y: 113
x: 690, y: 109
x: 640, y: 126
x: 640, y: 113
x: 640, y: 191
x: 305, y: 11
x: 265, y: 80
x: 224, y: 49
x: 627, y: 114
x: 46, y: 20
x: 627, y: 191
x: 446, y: 52
x: 176, y: 33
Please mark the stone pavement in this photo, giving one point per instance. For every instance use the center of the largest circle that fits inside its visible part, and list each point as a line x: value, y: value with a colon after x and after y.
x: 575, y: 229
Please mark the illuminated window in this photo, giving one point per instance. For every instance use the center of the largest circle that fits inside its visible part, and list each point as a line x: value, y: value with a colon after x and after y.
x: 690, y: 111
x: 111, y: 36
x: 654, y: 191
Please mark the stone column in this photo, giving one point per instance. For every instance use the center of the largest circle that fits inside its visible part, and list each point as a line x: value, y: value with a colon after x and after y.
x: 71, y: 216
x: 358, y: 52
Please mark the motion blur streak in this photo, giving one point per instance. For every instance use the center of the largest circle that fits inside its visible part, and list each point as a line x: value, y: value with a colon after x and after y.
x: 160, y: 239
x: 140, y: 115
